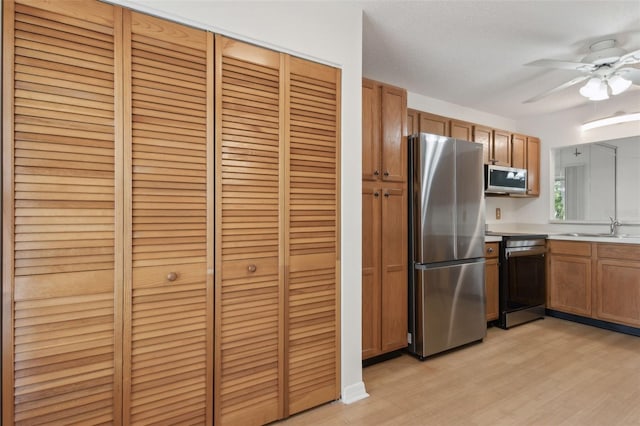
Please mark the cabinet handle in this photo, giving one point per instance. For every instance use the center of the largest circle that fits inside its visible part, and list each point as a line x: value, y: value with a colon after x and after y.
x: 172, y: 276
x: 376, y: 194
x: 386, y: 194
x: 490, y: 250
x: 252, y: 268
x: 376, y: 173
x: 386, y: 172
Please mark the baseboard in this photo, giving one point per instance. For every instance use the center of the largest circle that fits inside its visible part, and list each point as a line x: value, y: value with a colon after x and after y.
x: 353, y: 393
x: 594, y: 322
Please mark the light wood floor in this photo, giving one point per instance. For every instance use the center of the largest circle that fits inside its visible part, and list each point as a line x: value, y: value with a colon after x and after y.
x: 550, y: 372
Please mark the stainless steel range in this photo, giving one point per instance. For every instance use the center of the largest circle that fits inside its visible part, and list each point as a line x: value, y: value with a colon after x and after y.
x: 522, y: 278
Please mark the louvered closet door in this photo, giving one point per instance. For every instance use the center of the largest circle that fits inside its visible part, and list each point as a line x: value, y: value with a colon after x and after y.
x: 249, y: 295
x: 313, y: 234
x: 169, y: 293
x: 61, y: 273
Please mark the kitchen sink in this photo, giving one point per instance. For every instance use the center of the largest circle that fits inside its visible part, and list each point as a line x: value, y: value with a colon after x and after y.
x: 602, y: 235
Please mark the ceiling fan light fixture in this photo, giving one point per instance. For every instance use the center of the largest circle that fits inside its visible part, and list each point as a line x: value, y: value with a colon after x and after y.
x: 592, y: 87
x: 618, y: 84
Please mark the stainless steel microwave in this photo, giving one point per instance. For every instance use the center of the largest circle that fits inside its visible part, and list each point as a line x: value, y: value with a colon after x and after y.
x: 504, y: 180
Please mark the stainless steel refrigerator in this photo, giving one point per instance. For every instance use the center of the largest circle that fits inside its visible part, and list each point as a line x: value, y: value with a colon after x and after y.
x: 446, y: 234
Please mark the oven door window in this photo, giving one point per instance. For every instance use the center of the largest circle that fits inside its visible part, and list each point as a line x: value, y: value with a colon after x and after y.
x: 526, y: 282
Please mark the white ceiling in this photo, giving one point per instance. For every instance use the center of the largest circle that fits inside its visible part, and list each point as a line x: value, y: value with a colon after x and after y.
x: 472, y: 53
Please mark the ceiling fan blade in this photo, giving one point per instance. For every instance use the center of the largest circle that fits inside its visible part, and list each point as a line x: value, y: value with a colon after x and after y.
x: 563, y: 65
x: 630, y: 58
x: 557, y: 89
x: 632, y: 74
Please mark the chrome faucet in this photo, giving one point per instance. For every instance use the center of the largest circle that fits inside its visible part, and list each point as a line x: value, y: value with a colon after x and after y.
x: 613, y: 226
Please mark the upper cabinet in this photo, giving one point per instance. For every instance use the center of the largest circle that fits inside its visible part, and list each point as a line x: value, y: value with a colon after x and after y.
x: 501, y: 152
x: 384, y: 122
x: 460, y: 130
x: 500, y: 147
x: 431, y: 123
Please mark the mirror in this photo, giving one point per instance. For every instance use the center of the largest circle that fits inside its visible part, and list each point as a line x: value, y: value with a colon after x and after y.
x: 595, y: 181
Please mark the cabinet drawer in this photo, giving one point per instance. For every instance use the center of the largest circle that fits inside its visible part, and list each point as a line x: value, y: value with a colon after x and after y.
x: 490, y: 250
x: 249, y: 267
x: 619, y: 251
x: 573, y: 248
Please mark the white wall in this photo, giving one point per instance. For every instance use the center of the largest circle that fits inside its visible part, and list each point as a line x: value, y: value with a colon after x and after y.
x: 328, y: 32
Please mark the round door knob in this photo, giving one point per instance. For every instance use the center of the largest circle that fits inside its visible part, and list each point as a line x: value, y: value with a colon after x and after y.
x: 252, y: 268
x: 386, y: 194
x: 490, y: 250
x: 386, y: 172
x: 172, y: 276
x: 376, y: 173
x: 376, y: 194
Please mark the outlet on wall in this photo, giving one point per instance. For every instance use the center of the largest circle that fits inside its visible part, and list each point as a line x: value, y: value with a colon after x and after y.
x: 498, y: 213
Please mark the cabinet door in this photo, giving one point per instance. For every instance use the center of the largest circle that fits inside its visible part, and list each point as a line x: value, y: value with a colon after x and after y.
x: 533, y: 166
x: 168, y: 292
x: 502, y: 148
x: 370, y: 130
x: 371, y: 271
x: 618, y: 291
x: 491, y: 281
x: 62, y: 214
x: 249, y: 245
x: 312, y: 235
x: 413, y: 122
x: 394, y: 269
x: 569, y: 287
x: 519, y: 151
x: 484, y: 135
x: 461, y: 130
x: 394, y: 140
x: 431, y: 123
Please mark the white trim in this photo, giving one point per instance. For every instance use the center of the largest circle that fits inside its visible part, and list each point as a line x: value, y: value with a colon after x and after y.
x: 353, y: 393
x: 133, y: 5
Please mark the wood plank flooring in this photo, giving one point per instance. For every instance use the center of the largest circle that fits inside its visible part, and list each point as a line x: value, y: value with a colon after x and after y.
x: 550, y: 372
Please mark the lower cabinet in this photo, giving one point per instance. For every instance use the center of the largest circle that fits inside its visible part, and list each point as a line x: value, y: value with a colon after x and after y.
x: 569, y: 288
x: 617, y: 289
x: 596, y: 280
x: 491, y: 281
x: 384, y: 270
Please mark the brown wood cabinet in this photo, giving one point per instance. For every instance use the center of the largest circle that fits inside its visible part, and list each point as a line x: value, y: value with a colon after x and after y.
x: 569, y: 287
x: 413, y: 122
x: 108, y: 187
x: 501, y: 149
x: 484, y: 135
x: 533, y: 166
x: 461, y: 130
x: 491, y: 281
x: 519, y: 151
x: 436, y: 124
x: 617, y: 288
x: 384, y: 126
x: 384, y: 222
x: 384, y: 270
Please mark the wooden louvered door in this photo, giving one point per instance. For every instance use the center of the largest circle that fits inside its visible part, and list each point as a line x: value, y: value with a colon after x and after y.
x: 249, y: 250
x: 312, y: 234
x: 168, y: 359
x: 61, y: 220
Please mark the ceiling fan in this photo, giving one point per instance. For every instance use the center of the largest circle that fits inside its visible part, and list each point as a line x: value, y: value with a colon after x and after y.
x: 606, y: 70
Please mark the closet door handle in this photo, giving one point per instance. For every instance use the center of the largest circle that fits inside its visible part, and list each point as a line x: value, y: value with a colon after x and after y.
x: 172, y: 276
x: 252, y: 268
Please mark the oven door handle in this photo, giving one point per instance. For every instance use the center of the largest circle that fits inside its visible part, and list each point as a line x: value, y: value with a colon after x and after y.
x: 525, y: 251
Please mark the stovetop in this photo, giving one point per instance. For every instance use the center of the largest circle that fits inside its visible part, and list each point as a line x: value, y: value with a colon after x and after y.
x: 515, y: 235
